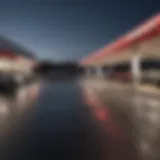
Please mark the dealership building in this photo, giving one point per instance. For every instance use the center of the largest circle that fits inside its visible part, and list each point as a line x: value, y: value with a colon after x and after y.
x: 15, y: 58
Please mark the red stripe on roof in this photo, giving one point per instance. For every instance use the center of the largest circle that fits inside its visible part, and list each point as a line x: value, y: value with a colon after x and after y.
x: 143, y: 32
x: 7, y: 54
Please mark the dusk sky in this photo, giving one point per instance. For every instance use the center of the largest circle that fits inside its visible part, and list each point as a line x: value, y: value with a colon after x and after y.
x: 70, y: 29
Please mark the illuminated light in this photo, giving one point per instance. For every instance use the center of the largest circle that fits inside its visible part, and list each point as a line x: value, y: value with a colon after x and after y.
x: 26, y: 61
x: 5, y: 65
x: 12, y: 66
x: 22, y: 62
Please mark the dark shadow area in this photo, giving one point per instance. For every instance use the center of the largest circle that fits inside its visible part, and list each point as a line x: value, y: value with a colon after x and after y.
x: 58, y: 71
x: 122, y: 72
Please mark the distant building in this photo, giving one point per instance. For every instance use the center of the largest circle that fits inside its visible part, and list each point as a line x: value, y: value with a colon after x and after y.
x: 14, y: 57
x: 11, y: 49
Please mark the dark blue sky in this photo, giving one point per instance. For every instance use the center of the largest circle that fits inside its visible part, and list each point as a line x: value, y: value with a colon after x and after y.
x: 70, y: 30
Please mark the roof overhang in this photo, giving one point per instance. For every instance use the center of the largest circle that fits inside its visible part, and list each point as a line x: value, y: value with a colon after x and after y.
x: 135, y: 41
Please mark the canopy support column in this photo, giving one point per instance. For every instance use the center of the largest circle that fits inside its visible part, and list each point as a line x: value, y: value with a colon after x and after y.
x: 136, y: 70
x: 99, y: 71
x: 88, y: 72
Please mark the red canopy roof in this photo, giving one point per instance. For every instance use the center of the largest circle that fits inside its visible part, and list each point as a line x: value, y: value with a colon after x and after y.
x: 144, y: 31
x: 7, y: 54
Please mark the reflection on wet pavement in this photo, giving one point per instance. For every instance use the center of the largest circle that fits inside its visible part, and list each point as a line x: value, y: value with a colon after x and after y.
x: 114, y: 128
x: 136, y: 112
x: 12, y: 116
x: 58, y: 125
x: 124, y: 124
